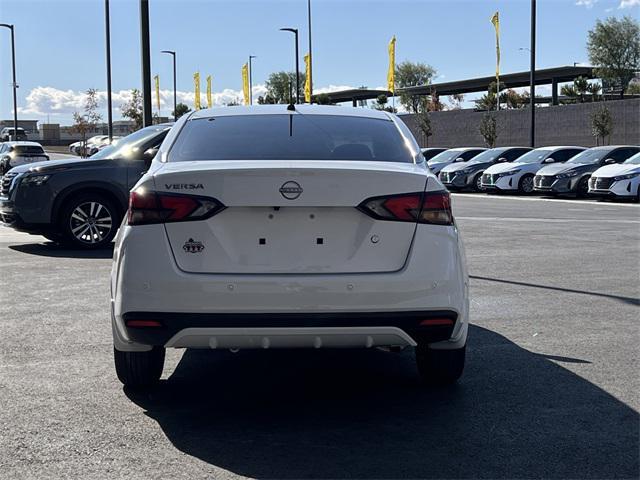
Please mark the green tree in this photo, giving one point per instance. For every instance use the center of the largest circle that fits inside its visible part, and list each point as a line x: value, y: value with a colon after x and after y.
x: 409, y: 74
x: 456, y: 101
x: 323, y: 99
x: 132, y: 108
x: 633, y: 88
x: 489, y: 129
x: 601, y: 124
x: 424, y: 124
x: 581, y: 90
x: 281, y: 88
x: 86, y: 122
x: 180, y: 110
x: 614, y: 48
x: 382, y: 103
x: 513, y: 100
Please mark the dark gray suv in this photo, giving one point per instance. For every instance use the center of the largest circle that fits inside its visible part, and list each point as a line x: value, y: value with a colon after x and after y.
x: 79, y: 202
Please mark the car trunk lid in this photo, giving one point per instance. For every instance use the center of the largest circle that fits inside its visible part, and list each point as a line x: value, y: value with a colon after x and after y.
x: 290, y: 217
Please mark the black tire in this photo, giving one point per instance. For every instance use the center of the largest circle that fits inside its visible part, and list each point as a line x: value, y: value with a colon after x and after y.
x: 440, y: 367
x: 139, y: 369
x: 101, y: 221
x: 525, y: 185
x: 582, y: 189
x: 477, y: 187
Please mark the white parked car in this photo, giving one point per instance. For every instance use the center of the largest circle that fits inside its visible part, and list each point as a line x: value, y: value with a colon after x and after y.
x: 13, y: 154
x: 266, y: 227
x: 518, y: 176
x: 91, y: 144
x: 617, y: 180
x: 447, y: 157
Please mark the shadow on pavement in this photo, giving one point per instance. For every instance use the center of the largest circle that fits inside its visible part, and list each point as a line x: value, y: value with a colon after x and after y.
x: 50, y: 249
x: 630, y: 300
x: 364, y: 414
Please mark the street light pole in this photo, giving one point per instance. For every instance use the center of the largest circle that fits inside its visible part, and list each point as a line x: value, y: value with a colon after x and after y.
x: 532, y: 79
x: 15, y: 84
x: 175, y: 104
x: 295, y: 32
x: 108, y: 41
x: 251, y: 57
x: 310, y: 55
x: 147, y: 118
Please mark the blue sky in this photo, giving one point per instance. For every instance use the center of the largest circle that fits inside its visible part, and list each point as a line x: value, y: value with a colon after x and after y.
x: 60, y: 43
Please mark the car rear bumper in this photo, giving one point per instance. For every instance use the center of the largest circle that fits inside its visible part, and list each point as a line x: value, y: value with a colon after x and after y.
x: 148, y: 285
x: 289, y: 330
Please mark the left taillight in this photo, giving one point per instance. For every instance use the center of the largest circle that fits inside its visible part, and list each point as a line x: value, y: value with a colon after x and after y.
x: 428, y: 207
x: 147, y: 207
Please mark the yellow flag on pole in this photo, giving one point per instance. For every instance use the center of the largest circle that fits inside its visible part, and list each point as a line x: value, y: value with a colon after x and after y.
x: 157, y: 79
x: 245, y: 83
x: 391, y: 74
x: 196, y: 81
x: 496, y: 23
x: 307, y: 78
x: 209, y: 99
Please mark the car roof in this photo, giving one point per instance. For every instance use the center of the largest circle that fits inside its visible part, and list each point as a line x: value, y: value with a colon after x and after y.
x: 22, y: 142
x: 612, y: 147
x: 464, y: 149
x: 282, y: 109
x: 560, y: 147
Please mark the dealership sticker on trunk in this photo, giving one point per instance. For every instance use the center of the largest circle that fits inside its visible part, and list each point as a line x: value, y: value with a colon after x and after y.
x: 193, y: 246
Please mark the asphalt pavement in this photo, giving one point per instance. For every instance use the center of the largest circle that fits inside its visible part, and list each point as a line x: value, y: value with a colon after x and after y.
x: 550, y: 389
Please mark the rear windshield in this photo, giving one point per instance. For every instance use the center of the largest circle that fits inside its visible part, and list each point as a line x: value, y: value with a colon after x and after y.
x: 27, y: 149
x: 290, y: 137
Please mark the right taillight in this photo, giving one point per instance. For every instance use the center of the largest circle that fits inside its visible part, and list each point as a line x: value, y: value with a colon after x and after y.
x: 424, y: 207
x: 147, y: 207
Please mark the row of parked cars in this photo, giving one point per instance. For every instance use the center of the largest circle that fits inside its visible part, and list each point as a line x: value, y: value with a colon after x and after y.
x: 612, y: 171
x: 92, y: 145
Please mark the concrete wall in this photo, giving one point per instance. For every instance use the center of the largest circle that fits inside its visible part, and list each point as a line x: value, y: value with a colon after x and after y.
x: 559, y: 125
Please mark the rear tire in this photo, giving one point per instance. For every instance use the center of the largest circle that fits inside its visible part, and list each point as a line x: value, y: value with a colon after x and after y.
x: 89, y: 221
x: 440, y: 367
x: 526, y: 184
x: 139, y: 369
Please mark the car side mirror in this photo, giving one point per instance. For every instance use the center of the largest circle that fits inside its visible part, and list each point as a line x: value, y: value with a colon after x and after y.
x: 549, y: 160
x: 502, y: 160
x: 609, y: 161
x: 459, y: 159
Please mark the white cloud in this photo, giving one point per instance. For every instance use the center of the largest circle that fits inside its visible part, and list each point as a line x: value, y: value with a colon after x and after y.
x: 51, y: 101
x: 589, y: 3
x: 629, y: 3
x: 60, y: 104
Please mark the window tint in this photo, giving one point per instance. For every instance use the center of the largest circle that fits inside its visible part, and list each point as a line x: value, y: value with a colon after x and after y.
x: 291, y: 137
x: 514, y: 153
x: 621, y: 154
x: 132, y: 147
x: 470, y: 154
x: 28, y: 150
x: 564, y: 154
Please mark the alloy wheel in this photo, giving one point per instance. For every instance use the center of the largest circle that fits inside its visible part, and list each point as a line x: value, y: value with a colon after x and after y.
x: 91, y: 222
x: 527, y: 184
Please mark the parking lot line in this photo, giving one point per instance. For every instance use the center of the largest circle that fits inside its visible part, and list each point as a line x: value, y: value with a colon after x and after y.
x: 542, y: 199
x: 550, y: 220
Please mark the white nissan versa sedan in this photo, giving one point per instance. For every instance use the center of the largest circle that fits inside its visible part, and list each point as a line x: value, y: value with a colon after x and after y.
x: 289, y: 227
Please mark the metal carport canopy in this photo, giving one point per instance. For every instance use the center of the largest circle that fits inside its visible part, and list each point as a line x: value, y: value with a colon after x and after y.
x: 510, y: 80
